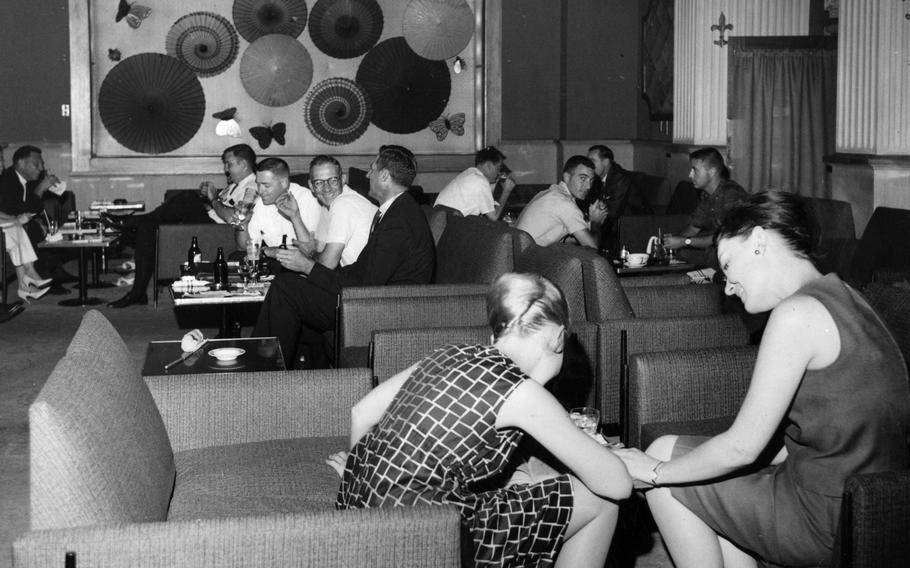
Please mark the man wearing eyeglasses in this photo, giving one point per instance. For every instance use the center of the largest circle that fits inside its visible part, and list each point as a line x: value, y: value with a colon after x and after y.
x: 345, y: 226
x: 471, y: 191
x: 552, y: 215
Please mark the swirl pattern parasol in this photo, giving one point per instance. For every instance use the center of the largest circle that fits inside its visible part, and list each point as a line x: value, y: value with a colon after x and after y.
x: 337, y: 111
x: 204, y: 41
x: 406, y: 90
x: 438, y: 29
x: 345, y: 28
x: 151, y: 103
x: 257, y: 18
x: 276, y: 70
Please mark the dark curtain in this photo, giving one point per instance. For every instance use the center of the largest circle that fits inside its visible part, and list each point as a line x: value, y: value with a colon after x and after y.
x: 781, y: 112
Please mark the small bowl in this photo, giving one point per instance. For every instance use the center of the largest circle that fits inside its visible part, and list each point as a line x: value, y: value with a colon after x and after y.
x: 636, y: 259
x: 227, y: 353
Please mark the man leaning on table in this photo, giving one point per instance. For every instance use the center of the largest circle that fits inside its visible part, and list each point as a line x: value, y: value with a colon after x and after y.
x: 718, y: 195
x: 300, y: 306
x: 553, y: 215
x: 471, y: 191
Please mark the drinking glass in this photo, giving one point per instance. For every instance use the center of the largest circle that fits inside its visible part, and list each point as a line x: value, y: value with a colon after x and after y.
x: 52, y: 227
x: 586, y: 418
x: 241, y: 212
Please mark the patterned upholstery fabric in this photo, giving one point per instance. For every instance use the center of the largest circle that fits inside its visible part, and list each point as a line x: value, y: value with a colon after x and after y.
x: 99, y: 450
x: 259, y: 478
x: 654, y: 335
x: 474, y: 250
x: 676, y: 301
x: 677, y: 386
x: 893, y: 305
x: 564, y: 271
x: 605, y: 298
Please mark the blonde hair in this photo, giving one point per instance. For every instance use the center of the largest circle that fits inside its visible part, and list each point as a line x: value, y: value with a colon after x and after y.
x: 525, y: 301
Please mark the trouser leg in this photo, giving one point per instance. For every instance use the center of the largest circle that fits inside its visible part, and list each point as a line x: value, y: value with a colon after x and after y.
x: 296, y: 311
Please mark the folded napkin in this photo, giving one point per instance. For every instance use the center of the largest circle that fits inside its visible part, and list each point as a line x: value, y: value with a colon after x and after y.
x: 58, y: 187
x: 701, y: 276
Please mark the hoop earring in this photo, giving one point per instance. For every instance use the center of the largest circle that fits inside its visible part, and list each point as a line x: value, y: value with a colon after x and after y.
x: 757, y: 251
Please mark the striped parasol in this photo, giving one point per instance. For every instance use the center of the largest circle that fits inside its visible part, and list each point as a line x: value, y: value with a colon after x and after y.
x: 438, y: 29
x: 337, y: 111
x: 345, y: 28
x: 257, y: 18
x: 204, y: 41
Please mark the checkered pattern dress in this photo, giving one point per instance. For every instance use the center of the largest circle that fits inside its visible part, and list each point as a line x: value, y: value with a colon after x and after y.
x: 438, y: 443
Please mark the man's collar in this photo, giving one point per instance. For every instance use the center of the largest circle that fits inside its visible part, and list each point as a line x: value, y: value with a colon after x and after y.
x: 22, y: 180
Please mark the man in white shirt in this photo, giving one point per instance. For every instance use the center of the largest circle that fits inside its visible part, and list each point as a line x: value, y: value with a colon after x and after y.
x: 284, y: 211
x: 471, y: 191
x: 553, y: 214
x: 345, y: 226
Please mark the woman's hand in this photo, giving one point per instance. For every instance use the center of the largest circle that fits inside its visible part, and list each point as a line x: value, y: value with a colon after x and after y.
x: 337, y: 462
x: 639, y: 464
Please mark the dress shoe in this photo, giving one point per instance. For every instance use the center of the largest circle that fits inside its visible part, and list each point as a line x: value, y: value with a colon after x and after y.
x: 130, y: 299
x: 57, y: 290
x: 31, y: 294
x: 9, y: 311
x: 39, y: 283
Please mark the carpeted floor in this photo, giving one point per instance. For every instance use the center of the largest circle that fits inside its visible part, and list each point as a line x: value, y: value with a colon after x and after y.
x: 33, y: 342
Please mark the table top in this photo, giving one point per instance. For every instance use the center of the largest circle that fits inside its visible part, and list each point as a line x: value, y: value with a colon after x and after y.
x: 86, y: 242
x: 261, y: 354
x: 236, y: 294
x: 111, y: 206
x: 653, y: 269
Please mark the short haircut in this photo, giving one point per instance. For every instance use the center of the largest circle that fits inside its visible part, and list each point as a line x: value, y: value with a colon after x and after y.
x: 324, y: 160
x: 602, y: 152
x: 489, y: 154
x: 24, y: 152
x: 575, y: 161
x: 526, y: 301
x: 774, y: 210
x: 399, y: 162
x: 242, y: 152
x: 712, y: 159
x: 277, y: 166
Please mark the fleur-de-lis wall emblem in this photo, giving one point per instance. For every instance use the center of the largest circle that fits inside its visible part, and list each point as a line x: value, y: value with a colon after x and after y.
x: 721, y: 26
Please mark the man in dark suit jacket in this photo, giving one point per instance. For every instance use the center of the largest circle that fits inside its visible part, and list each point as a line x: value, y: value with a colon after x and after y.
x: 300, y: 305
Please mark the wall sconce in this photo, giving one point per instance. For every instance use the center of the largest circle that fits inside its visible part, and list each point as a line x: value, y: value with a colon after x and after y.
x: 721, y: 26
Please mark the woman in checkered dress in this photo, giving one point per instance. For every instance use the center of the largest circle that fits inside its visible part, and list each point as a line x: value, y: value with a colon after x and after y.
x: 441, y: 431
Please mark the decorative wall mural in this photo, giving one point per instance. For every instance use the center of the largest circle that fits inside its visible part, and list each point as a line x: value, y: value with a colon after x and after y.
x: 438, y: 29
x: 206, y: 42
x: 345, y: 28
x: 276, y: 70
x: 151, y: 103
x: 341, y: 75
x: 337, y: 111
x: 407, y: 91
x: 257, y: 18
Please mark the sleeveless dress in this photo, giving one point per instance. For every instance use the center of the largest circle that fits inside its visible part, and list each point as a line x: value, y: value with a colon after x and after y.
x: 850, y: 417
x: 437, y: 443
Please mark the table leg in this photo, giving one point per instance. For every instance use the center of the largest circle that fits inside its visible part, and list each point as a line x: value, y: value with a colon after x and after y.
x: 83, y: 299
x: 97, y: 260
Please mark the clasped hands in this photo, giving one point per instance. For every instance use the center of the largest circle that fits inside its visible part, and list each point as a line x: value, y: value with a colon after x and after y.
x: 597, y: 212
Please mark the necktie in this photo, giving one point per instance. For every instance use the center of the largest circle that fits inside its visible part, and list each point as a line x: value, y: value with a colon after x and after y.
x: 376, y: 219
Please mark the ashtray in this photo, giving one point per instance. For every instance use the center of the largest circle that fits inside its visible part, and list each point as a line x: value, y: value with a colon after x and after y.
x: 227, y: 353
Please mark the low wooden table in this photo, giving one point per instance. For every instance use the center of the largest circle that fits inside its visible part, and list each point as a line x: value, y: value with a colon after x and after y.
x: 262, y: 354
x: 83, y: 244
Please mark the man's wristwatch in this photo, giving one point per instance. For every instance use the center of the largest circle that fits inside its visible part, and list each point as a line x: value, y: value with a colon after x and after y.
x: 688, y: 241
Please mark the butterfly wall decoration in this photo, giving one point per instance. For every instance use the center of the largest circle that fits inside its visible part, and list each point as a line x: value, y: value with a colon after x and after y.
x: 265, y: 134
x: 134, y: 13
x: 114, y: 54
x: 227, y: 126
x: 444, y: 124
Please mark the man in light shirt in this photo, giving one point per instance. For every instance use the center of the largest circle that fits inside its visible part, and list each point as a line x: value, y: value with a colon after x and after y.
x: 552, y: 215
x: 284, y: 211
x: 346, y: 220
x: 471, y: 191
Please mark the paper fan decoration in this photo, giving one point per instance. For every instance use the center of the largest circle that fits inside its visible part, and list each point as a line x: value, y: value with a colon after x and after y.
x: 438, y: 29
x: 276, y: 70
x: 406, y: 90
x: 204, y: 41
x: 345, y: 28
x: 151, y: 103
x: 337, y: 111
x: 257, y: 18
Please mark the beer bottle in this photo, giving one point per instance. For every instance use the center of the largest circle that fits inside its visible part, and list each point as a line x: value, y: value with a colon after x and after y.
x: 220, y: 270
x: 284, y: 242
x: 194, y: 255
